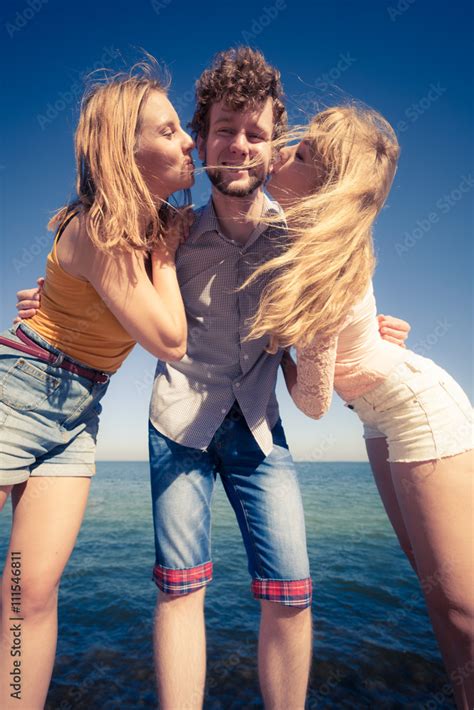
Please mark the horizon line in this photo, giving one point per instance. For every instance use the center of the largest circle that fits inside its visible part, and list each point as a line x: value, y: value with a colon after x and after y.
x: 294, y: 459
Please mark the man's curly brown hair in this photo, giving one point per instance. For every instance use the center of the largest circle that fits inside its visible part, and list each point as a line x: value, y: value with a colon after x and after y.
x: 243, y: 79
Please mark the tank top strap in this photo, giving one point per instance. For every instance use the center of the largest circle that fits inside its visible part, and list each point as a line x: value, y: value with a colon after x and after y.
x: 61, y: 229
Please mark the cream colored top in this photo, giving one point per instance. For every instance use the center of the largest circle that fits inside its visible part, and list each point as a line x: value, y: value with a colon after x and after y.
x: 352, y: 362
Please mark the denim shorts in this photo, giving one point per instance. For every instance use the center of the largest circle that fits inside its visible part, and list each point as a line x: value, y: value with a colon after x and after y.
x: 49, y: 417
x: 420, y: 409
x: 264, y: 493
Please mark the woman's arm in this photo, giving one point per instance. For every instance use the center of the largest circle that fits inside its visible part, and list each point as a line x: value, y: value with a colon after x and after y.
x: 310, y: 382
x: 151, y: 312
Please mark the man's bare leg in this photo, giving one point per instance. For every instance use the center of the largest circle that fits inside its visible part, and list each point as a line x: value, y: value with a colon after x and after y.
x: 180, y: 650
x: 284, y: 655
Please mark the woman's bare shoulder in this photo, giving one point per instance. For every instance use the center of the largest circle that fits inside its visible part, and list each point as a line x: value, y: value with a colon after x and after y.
x: 73, y: 247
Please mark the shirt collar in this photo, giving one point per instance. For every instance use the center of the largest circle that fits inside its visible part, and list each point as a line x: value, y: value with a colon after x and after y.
x: 208, y: 222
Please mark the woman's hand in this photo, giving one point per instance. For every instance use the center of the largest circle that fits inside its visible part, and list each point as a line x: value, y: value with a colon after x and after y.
x: 29, y: 301
x: 394, y: 330
x: 176, y: 227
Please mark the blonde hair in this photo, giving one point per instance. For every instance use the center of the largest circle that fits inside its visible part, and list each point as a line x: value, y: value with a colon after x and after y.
x: 330, y: 260
x: 119, y: 209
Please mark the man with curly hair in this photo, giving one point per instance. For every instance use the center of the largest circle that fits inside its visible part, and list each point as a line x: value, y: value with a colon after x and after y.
x: 215, y: 411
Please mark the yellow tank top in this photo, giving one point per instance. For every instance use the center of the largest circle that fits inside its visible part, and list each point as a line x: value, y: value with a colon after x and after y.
x: 75, y: 319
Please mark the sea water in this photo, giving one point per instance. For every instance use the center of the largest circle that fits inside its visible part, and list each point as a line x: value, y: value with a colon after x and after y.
x: 373, y: 643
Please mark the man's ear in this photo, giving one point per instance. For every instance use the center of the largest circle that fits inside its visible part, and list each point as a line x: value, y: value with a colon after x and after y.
x: 201, y: 146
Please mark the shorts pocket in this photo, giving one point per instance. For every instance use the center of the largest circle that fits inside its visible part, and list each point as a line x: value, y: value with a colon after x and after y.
x: 404, y: 384
x: 457, y: 395
x: 84, y: 403
x: 384, y: 398
x: 26, y: 386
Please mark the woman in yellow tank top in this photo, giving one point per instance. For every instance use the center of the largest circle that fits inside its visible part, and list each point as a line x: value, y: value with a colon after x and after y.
x: 110, y: 282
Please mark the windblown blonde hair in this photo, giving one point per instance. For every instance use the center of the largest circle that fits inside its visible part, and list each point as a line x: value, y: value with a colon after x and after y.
x: 119, y: 209
x: 329, y: 263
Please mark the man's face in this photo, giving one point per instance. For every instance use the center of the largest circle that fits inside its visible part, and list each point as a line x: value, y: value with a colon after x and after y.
x: 238, y: 138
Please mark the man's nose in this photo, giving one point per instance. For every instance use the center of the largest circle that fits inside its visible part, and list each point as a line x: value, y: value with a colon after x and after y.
x: 240, y: 143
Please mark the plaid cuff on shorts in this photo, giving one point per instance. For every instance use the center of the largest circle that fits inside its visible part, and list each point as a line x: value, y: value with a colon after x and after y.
x: 182, y: 581
x: 287, y: 592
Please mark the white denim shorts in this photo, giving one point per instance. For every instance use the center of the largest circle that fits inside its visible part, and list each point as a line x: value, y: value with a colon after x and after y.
x: 420, y: 409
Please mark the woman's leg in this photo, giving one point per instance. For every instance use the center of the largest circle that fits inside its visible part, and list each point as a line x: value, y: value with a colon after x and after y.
x: 4, y: 493
x: 47, y: 515
x: 436, y: 500
x: 377, y: 451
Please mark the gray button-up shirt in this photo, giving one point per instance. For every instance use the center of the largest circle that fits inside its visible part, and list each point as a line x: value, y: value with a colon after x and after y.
x: 191, y: 398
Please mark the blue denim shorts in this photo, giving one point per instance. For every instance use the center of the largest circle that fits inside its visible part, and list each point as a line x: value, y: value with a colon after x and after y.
x: 264, y: 493
x: 49, y: 417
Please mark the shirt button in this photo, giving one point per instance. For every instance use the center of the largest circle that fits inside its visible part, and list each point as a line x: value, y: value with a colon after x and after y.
x: 224, y: 411
x: 237, y: 384
x: 246, y: 357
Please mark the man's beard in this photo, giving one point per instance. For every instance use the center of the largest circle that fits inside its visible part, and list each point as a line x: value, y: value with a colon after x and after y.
x: 217, y: 178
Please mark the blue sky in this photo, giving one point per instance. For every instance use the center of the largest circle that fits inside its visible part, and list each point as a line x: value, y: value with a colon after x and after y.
x: 408, y: 59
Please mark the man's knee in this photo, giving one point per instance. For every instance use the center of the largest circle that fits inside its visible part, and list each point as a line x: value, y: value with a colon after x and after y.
x: 191, y: 599
x: 278, y: 611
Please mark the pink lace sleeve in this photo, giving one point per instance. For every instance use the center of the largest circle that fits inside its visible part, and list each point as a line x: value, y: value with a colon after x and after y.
x: 312, y: 392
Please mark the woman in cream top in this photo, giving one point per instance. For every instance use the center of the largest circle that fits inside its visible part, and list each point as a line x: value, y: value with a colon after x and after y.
x: 418, y: 421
